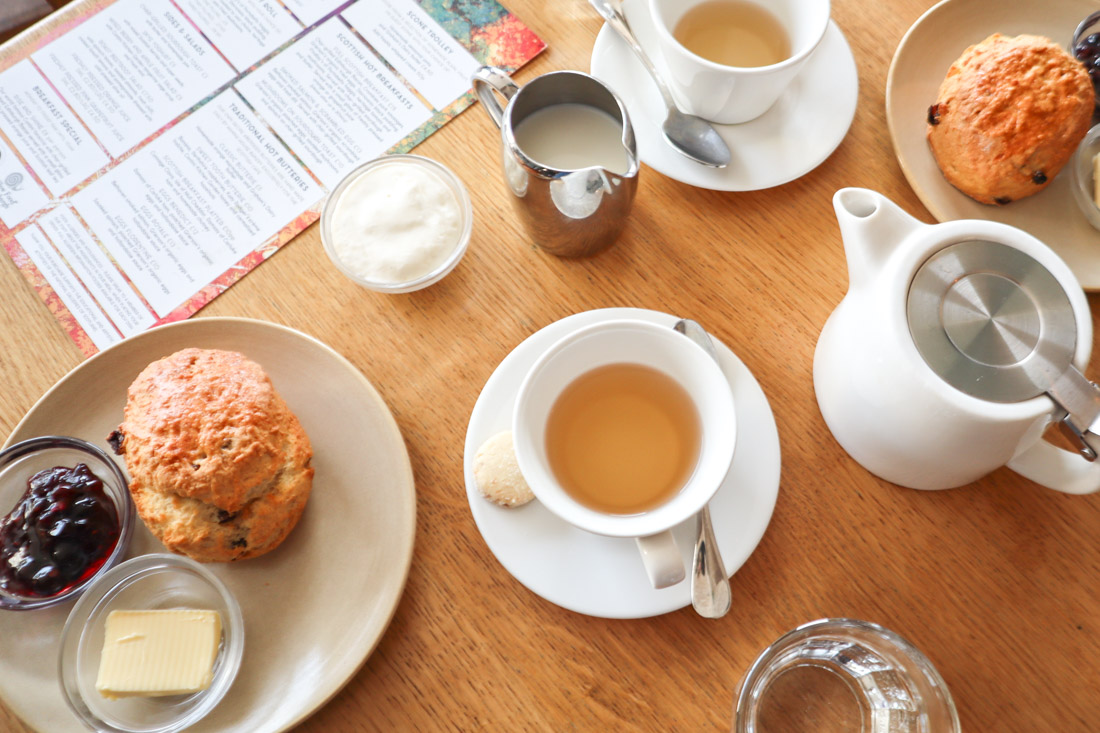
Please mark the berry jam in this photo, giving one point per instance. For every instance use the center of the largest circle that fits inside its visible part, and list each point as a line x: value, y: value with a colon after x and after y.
x: 59, y: 534
x: 1087, y: 52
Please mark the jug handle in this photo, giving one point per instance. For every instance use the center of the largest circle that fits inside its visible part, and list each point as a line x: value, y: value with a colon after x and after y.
x: 1057, y: 468
x: 489, y: 79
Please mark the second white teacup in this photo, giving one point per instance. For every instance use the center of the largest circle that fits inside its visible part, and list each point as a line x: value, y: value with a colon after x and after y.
x: 729, y: 94
x: 601, y: 351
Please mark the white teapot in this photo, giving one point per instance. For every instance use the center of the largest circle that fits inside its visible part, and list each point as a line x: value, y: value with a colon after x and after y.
x: 955, y: 347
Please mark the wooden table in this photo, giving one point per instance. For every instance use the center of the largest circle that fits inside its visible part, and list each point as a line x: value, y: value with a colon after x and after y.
x: 996, y: 583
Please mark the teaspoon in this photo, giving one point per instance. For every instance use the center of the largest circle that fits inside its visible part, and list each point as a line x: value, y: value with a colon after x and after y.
x: 710, y: 587
x: 689, y: 135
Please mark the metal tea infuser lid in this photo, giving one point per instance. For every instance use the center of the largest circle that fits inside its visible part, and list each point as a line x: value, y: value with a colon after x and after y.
x: 993, y: 322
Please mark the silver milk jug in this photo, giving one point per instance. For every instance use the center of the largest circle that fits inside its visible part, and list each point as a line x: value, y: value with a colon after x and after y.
x: 569, y: 213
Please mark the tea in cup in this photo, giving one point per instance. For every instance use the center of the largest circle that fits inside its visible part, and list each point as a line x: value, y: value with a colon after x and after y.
x: 730, y: 60
x: 626, y: 429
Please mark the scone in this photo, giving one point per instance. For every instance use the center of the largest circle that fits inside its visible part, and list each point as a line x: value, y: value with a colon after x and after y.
x: 497, y: 475
x: 219, y: 465
x: 1008, y: 116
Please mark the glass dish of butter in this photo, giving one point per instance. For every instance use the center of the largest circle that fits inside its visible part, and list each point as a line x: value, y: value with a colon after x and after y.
x: 152, y: 645
x: 1085, y: 176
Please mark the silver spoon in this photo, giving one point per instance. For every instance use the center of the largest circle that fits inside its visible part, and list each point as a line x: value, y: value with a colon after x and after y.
x: 710, y: 587
x: 689, y: 135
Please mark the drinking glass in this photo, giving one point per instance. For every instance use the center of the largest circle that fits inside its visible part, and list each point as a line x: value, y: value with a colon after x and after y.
x: 843, y: 676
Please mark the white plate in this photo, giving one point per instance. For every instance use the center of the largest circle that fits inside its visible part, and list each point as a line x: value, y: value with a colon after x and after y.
x: 791, y: 139
x: 316, y: 606
x: 604, y: 576
x: 920, y: 63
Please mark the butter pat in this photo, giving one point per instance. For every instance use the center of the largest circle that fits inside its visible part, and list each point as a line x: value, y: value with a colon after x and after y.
x: 156, y: 653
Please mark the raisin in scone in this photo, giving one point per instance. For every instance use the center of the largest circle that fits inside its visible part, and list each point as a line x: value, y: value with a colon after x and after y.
x: 219, y: 465
x: 1008, y: 116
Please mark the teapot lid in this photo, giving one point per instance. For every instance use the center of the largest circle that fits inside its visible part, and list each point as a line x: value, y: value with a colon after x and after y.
x: 991, y: 321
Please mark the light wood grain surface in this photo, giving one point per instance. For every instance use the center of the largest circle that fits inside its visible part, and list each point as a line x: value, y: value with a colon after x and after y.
x: 997, y: 582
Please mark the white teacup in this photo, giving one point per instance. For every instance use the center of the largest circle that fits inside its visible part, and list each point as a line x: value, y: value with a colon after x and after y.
x: 731, y: 94
x: 657, y: 347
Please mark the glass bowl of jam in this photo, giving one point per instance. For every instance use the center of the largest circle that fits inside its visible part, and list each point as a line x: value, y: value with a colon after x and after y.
x: 1085, y: 47
x: 66, y: 518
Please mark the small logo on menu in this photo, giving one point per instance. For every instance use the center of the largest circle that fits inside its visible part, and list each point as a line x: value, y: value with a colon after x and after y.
x: 9, y: 186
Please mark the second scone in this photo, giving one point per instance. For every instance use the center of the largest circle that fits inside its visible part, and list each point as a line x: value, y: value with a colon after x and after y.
x: 1008, y: 116
x: 219, y: 465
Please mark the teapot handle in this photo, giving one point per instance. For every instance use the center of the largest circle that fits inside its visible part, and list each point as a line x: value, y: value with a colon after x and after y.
x: 1057, y: 468
x: 489, y: 79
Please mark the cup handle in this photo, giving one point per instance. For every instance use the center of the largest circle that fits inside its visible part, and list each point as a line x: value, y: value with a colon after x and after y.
x: 489, y: 79
x: 662, y: 559
x: 1057, y: 468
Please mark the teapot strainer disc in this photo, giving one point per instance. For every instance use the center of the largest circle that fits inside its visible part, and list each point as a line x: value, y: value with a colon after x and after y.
x: 993, y: 322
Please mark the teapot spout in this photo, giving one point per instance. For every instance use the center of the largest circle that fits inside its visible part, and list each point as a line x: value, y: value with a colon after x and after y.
x: 871, y: 226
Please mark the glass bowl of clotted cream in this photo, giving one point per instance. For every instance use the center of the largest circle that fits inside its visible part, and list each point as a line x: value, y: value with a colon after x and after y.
x: 397, y: 223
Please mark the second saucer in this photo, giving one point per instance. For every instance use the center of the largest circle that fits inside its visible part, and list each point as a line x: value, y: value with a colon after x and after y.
x: 796, y: 135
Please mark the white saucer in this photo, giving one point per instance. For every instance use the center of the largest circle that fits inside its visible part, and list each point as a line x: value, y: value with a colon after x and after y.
x: 604, y: 576
x: 791, y: 139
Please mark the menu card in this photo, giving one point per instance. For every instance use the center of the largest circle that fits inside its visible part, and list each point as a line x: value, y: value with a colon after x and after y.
x: 155, y: 151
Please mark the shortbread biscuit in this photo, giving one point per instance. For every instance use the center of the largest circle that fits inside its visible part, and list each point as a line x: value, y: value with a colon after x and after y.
x: 496, y: 472
x: 219, y: 465
x: 1008, y: 116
